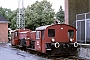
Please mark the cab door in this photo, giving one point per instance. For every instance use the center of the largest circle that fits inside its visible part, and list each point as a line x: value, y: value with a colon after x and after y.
x: 15, y: 40
x: 38, y: 45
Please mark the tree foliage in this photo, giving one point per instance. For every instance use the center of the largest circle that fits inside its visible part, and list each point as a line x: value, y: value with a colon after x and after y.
x: 60, y: 15
x: 6, y: 13
x: 13, y: 19
x: 38, y: 14
x: 11, y: 16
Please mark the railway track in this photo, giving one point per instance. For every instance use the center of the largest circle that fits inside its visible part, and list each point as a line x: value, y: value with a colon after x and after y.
x: 69, y: 58
x: 49, y: 57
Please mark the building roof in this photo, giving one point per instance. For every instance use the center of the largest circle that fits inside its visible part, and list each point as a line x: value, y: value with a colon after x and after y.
x: 42, y: 27
x: 3, y: 20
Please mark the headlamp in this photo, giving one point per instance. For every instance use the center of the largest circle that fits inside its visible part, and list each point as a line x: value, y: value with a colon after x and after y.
x: 53, y: 40
x: 71, y: 39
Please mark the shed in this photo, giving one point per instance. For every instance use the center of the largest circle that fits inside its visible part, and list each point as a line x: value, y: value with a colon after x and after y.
x: 3, y: 30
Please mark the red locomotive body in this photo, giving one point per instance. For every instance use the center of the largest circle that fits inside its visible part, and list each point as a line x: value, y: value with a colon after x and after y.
x: 33, y: 35
x: 57, y: 39
x: 20, y: 37
x: 32, y: 40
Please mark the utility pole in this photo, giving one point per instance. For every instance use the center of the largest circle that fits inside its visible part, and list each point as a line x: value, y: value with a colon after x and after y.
x: 20, y: 15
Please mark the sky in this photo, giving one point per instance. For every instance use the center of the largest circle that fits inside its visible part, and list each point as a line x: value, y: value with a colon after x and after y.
x: 13, y: 4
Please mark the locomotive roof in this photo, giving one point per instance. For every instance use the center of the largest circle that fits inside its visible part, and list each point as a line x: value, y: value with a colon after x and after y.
x: 23, y: 32
x: 42, y: 27
x: 32, y: 31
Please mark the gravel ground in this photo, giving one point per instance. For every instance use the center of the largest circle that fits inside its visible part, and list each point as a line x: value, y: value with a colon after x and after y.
x: 9, y: 53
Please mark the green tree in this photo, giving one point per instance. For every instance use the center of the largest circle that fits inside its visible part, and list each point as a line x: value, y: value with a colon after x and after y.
x: 6, y: 13
x: 60, y: 15
x: 40, y: 13
x: 13, y: 19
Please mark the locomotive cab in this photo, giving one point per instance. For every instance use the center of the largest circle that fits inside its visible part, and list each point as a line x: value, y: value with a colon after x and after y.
x: 14, y: 38
x: 58, y: 39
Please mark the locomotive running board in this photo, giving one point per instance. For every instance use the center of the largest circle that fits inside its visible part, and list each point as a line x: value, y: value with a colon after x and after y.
x: 19, y: 46
x: 48, y: 49
x: 30, y: 48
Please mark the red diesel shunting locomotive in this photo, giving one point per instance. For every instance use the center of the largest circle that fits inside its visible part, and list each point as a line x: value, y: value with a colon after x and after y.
x: 20, y: 37
x: 56, y: 39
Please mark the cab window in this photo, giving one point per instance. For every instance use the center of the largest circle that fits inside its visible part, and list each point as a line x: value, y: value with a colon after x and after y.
x: 43, y: 34
x: 71, y: 33
x: 51, y: 32
x: 38, y: 35
x: 16, y: 34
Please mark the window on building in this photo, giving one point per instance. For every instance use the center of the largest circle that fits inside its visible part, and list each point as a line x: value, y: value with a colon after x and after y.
x: 70, y: 33
x: 51, y: 32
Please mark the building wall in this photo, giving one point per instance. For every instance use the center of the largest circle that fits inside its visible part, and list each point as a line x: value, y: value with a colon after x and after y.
x: 66, y: 12
x: 73, y: 7
x: 3, y: 32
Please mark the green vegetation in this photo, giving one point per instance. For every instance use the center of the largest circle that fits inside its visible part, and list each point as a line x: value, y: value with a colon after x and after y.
x: 60, y: 15
x: 38, y: 14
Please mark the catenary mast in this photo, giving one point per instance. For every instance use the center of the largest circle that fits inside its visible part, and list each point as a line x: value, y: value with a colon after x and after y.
x: 20, y: 15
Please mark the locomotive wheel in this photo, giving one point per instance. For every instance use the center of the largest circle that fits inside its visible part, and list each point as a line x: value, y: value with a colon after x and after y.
x: 12, y: 44
x: 73, y: 51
